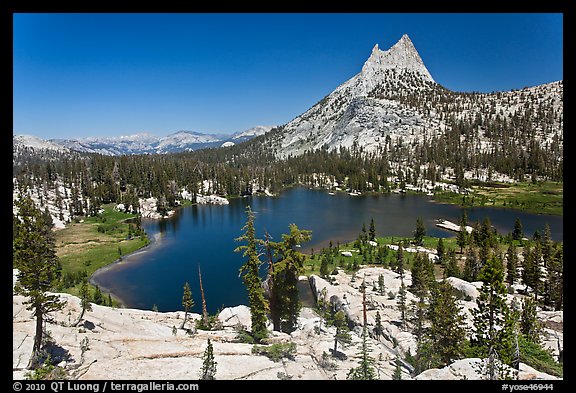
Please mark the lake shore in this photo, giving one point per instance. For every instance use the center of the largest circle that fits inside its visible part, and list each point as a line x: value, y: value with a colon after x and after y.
x: 93, y: 279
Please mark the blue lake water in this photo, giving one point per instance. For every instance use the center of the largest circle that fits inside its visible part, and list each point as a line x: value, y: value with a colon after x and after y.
x: 205, y: 235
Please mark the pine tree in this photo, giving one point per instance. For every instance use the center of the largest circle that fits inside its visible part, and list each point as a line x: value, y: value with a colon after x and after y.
x: 554, y: 286
x: 34, y: 255
x: 323, y: 308
x: 208, y: 370
x: 472, y: 265
x: 401, y: 301
x: 400, y: 260
x: 365, y: 369
x: 419, y: 232
x: 508, y: 352
x: 440, y: 251
x: 462, y: 237
x: 251, y: 278
x: 489, y: 318
x: 84, y: 300
x: 288, y: 266
x: 529, y: 325
x: 372, y: 230
x: 531, y: 272
x: 446, y: 332
x: 378, y: 328
x: 324, y: 266
x: 518, y: 232
x: 187, y: 303
x: 452, y: 269
x: 419, y: 271
x: 418, y: 318
x: 511, y: 264
x: 342, y: 334
x: 381, y: 285
x: 98, y: 298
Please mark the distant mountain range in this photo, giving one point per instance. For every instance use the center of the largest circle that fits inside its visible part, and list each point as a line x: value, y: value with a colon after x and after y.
x: 394, y: 108
x: 142, y: 143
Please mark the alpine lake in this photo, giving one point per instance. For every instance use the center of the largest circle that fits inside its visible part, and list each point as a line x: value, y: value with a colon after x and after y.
x: 204, y: 235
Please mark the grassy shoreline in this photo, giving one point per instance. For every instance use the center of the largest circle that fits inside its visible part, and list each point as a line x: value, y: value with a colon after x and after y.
x: 90, y: 244
x: 539, y: 198
x: 543, y: 197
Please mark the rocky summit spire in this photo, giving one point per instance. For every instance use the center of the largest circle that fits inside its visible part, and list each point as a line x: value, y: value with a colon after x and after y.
x: 402, y: 55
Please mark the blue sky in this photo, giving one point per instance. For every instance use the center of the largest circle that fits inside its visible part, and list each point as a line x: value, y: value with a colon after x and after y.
x: 80, y: 75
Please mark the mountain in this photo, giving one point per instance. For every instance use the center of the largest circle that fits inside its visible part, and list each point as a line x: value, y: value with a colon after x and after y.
x: 395, y: 101
x: 249, y: 134
x: 187, y: 141
x: 142, y: 143
x: 26, y: 146
x: 31, y: 142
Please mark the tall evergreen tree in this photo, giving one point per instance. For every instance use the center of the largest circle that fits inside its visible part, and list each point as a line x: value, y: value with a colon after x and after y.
x: 452, y: 269
x: 462, y: 237
x: 288, y: 266
x: 324, y: 266
x: 381, y: 285
x: 441, y: 251
x: 511, y: 264
x: 472, y: 265
x: 420, y: 274
x: 187, y: 303
x: 84, y: 300
x: 447, y: 325
x: 378, y: 328
x: 518, y: 232
x: 400, y: 260
x: 34, y: 255
x: 98, y: 298
x: 372, y: 230
x: 251, y: 278
x: 419, y: 232
x: 554, y: 286
x: 363, y: 234
x: 531, y: 271
x: 208, y: 370
x: 342, y: 335
x: 529, y: 325
x: 401, y: 302
x: 489, y: 318
x: 365, y: 369
x: 418, y: 317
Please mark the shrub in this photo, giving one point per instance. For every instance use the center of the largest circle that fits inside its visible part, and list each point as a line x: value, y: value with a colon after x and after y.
x: 276, y: 352
x: 535, y: 356
x: 47, y: 371
x: 327, y: 363
x: 245, y: 337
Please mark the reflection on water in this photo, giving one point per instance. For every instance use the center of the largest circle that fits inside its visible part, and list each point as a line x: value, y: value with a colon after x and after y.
x: 205, y: 235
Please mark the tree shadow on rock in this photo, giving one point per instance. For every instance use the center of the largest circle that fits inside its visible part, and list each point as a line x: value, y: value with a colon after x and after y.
x: 58, y: 353
x: 88, y: 325
x: 338, y: 355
